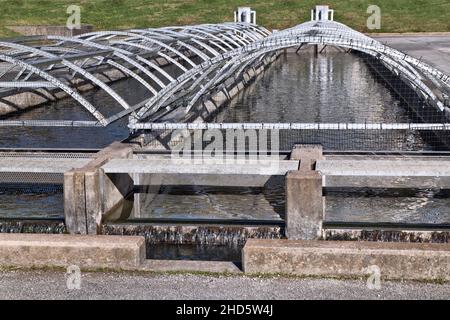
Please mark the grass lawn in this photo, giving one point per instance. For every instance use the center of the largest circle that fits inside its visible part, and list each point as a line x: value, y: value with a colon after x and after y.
x: 397, y: 15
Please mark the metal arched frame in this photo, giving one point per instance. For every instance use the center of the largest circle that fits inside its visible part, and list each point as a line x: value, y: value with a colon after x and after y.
x: 131, y: 52
x: 204, y: 57
x: 329, y: 33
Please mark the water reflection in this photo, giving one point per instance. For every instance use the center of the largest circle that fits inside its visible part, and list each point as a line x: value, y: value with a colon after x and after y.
x: 335, y: 87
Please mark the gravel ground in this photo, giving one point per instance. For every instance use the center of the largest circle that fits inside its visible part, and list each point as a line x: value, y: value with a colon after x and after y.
x: 53, y: 285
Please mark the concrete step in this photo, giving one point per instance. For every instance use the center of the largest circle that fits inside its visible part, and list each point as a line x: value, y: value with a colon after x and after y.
x: 63, y: 250
x: 113, y: 253
x: 413, y: 261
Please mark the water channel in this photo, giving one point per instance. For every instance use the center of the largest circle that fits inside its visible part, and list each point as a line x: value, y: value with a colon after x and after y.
x: 332, y: 87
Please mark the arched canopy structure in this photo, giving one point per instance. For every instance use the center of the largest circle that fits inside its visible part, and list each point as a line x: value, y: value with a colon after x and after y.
x: 52, y: 63
x: 200, y: 57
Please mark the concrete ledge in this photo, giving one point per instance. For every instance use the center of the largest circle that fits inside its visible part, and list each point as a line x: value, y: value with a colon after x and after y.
x: 61, y: 250
x: 409, y: 261
x: 190, y: 266
x: 38, y: 30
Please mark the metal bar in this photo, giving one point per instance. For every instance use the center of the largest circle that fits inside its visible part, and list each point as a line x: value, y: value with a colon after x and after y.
x: 386, y: 225
x: 27, y: 84
x: 49, y: 123
x: 292, y: 126
x: 200, y: 221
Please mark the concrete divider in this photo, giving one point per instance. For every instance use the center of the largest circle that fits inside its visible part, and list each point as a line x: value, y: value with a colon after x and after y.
x: 385, y: 173
x: 190, y: 266
x: 89, y: 193
x: 409, y: 261
x: 304, y: 200
x: 62, y: 250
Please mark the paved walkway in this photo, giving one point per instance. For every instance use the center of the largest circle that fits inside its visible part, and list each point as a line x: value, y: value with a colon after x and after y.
x: 433, y: 49
x: 53, y: 285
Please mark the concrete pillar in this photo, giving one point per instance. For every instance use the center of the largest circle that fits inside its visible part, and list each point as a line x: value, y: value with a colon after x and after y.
x: 148, y: 186
x: 75, y: 202
x: 304, y: 199
x: 94, y: 201
x: 89, y: 193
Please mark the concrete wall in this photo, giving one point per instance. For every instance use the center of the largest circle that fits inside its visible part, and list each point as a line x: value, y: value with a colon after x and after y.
x: 62, y: 250
x: 89, y: 193
x: 305, y: 204
x: 409, y: 261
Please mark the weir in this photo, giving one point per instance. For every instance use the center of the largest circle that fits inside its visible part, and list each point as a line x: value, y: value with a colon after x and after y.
x: 187, y: 77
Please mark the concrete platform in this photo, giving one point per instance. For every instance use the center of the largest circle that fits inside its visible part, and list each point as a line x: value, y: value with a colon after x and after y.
x: 405, y: 173
x: 190, y: 266
x: 406, y: 261
x: 201, y: 166
x: 40, y: 165
x: 432, y: 48
x: 405, y: 167
x: 61, y: 250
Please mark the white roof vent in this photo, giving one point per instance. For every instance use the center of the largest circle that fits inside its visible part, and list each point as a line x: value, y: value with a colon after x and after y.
x: 321, y: 13
x: 245, y: 14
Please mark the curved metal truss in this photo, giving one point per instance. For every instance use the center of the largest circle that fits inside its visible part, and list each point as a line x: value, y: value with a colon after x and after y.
x: 155, y: 58
x: 176, y: 64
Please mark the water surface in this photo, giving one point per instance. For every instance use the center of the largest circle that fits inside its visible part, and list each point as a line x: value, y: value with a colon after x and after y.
x: 335, y: 87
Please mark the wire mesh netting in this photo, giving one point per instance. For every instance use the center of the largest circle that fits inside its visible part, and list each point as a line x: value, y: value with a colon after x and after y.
x: 339, y: 100
x: 254, y: 140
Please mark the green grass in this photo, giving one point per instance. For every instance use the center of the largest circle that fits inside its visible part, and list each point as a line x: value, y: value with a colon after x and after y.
x: 397, y: 15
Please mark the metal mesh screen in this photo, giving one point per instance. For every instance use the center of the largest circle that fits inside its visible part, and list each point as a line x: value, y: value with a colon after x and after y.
x: 413, y: 139
x: 31, y: 178
x: 35, y: 182
x: 46, y: 155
